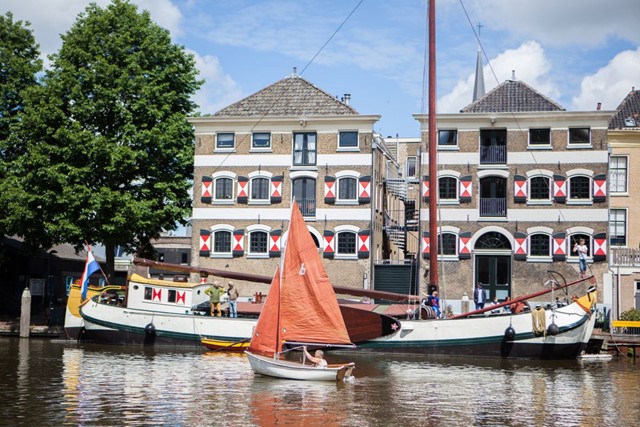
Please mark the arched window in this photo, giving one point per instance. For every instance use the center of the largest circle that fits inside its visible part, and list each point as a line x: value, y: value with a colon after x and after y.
x: 539, y: 188
x: 260, y: 189
x: 580, y: 188
x: 258, y: 243
x: 493, y: 240
x: 222, y: 242
x: 575, y: 239
x: 540, y: 245
x: 448, y: 244
x: 223, y: 189
x: 448, y: 188
x: 347, y: 189
x: 346, y: 243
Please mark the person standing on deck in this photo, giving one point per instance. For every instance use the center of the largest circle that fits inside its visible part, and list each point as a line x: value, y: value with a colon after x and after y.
x: 233, y: 300
x: 215, y: 292
x: 479, y: 297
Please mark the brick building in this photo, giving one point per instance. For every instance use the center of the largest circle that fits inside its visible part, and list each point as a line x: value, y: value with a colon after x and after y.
x: 520, y: 181
x: 290, y: 139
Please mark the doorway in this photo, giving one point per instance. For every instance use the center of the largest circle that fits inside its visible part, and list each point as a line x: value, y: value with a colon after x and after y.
x: 494, y: 272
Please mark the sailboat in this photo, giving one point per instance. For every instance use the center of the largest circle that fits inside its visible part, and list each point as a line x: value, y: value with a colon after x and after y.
x: 301, y: 309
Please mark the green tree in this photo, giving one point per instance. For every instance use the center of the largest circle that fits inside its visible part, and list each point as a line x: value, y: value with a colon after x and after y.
x: 108, y: 151
x: 19, y: 64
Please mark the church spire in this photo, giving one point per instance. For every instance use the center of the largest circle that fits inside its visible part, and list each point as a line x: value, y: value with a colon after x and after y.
x: 478, y: 86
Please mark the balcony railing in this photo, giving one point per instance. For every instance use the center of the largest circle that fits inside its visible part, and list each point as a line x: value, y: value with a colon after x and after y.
x: 307, y: 206
x: 493, y: 207
x: 493, y: 155
x: 625, y: 257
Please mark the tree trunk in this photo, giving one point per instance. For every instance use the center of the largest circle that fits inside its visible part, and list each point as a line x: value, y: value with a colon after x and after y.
x: 110, y: 254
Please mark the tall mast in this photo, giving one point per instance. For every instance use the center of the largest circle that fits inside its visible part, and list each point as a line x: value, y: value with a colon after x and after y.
x: 432, y: 147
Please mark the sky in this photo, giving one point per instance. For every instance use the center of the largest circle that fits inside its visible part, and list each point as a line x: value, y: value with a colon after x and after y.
x: 576, y: 52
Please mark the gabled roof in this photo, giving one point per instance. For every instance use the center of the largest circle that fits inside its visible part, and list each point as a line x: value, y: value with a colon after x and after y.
x: 627, y: 115
x: 291, y: 96
x: 512, y: 96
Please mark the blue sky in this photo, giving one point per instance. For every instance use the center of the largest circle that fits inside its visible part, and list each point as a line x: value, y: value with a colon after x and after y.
x: 577, y: 52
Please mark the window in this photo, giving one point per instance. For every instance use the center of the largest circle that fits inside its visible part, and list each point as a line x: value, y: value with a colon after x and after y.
x: 258, y: 242
x: 493, y: 146
x: 447, y: 138
x: 539, y: 188
x: 348, y: 139
x: 579, y: 136
x: 161, y: 256
x: 222, y: 242
x: 411, y: 166
x: 448, y: 188
x: 304, y: 149
x: 539, y: 245
x: 172, y: 296
x: 346, y: 243
x: 539, y: 136
x: 260, y: 188
x: 575, y: 239
x: 148, y: 293
x: 580, y: 188
x: 261, y: 140
x: 448, y: 244
x: 225, y: 140
x: 618, y: 174
x: 347, y: 188
x: 223, y: 189
x: 618, y: 227
x: 184, y: 258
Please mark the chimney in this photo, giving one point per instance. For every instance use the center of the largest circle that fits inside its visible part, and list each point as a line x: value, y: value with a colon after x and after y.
x: 347, y: 98
x: 599, y: 107
x: 513, y: 75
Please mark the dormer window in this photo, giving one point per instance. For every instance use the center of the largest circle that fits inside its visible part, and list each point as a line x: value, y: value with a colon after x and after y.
x: 630, y: 122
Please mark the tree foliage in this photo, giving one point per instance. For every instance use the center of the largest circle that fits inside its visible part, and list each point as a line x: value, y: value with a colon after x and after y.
x: 108, y: 151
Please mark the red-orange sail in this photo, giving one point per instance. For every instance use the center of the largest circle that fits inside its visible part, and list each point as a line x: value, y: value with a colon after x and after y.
x: 308, y: 310
x: 265, y: 335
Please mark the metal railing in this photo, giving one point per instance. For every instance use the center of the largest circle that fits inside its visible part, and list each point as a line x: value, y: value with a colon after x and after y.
x: 493, y: 206
x: 307, y: 206
x: 493, y: 155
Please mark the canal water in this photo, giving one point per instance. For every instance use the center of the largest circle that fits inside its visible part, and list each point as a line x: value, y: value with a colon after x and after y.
x: 53, y: 383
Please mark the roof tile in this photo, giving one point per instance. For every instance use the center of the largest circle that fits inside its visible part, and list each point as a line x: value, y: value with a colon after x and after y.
x: 512, y: 96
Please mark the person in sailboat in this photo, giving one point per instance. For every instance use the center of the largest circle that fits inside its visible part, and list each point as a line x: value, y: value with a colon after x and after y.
x: 434, y: 302
x: 233, y: 300
x: 317, y: 360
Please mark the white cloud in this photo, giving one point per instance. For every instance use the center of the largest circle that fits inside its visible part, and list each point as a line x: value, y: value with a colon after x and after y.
x: 562, y: 23
x: 51, y: 18
x: 219, y: 90
x: 610, y: 84
x: 530, y: 65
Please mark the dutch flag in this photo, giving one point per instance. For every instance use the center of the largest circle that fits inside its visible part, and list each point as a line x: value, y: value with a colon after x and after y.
x: 90, y: 267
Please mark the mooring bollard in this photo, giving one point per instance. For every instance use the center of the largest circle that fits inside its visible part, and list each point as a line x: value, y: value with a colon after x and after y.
x: 25, y: 313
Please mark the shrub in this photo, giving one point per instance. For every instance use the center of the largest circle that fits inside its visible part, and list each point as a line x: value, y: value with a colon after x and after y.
x: 632, y: 314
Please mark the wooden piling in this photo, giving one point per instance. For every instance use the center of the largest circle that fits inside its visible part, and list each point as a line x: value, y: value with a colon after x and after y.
x: 25, y: 313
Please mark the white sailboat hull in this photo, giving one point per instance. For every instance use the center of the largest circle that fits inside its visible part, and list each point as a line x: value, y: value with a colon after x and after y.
x: 296, y: 371
x: 485, y: 335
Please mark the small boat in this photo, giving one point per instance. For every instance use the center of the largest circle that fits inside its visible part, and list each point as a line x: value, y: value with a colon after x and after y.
x: 301, y: 309
x: 599, y: 357
x: 224, y: 345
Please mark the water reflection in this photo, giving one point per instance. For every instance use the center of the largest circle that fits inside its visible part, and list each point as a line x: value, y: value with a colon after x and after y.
x: 111, y: 385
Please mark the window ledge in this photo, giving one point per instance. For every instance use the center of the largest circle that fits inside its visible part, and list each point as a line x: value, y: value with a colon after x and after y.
x: 346, y: 256
x: 259, y: 202
x: 221, y: 255
x: 347, y: 202
x: 224, y: 150
x: 540, y: 147
x: 347, y: 149
x: 261, y: 150
x: 223, y: 202
x: 578, y: 146
x: 257, y: 256
x: 304, y: 167
x: 619, y: 194
x: 448, y: 148
x: 539, y: 202
x: 500, y: 166
x: 533, y: 258
x: 447, y: 202
x: 580, y: 202
x: 448, y: 258
x: 492, y: 219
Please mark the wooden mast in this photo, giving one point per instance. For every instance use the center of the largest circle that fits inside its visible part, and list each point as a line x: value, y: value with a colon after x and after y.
x: 432, y: 148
